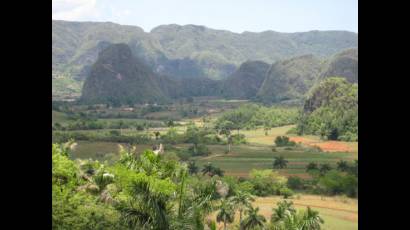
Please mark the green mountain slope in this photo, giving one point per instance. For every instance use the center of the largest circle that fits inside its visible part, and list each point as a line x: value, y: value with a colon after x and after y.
x: 246, y: 81
x: 331, y: 110
x: 289, y: 79
x: 184, y: 51
x: 118, y: 77
x: 344, y: 64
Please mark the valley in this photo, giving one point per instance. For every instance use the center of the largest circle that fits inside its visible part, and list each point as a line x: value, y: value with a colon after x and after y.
x: 188, y: 127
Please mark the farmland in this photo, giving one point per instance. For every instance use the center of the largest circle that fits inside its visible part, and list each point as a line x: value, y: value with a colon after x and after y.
x: 242, y: 158
x: 338, y: 212
x: 257, y: 151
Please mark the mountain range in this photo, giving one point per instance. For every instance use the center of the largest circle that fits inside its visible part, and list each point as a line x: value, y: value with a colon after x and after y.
x: 119, y: 77
x: 184, y: 52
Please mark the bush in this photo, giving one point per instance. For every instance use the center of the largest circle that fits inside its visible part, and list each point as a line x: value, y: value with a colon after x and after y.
x: 283, y: 141
x: 334, y: 183
x: 114, y: 133
x: 273, y: 149
x: 266, y: 182
x: 184, y: 155
x: 295, y: 183
x: 199, y: 150
x: 285, y: 192
x: 238, y: 139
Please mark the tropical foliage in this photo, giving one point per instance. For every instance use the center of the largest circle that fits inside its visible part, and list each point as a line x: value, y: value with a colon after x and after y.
x: 331, y: 110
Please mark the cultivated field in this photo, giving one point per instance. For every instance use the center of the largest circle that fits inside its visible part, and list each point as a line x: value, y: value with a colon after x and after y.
x: 257, y: 154
x: 339, y: 213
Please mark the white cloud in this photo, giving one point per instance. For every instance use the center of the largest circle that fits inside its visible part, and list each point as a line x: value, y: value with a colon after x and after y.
x: 73, y: 9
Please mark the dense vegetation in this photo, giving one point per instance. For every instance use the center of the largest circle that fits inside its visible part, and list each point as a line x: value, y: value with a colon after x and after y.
x: 289, y: 79
x: 343, y: 179
x: 245, y: 82
x: 331, y: 111
x: 149, y: 191
x: 120, y: 78
x: 345, y: 63
x: 252, y: 116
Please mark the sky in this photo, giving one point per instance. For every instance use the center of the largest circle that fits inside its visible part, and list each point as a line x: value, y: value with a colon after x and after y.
x: 233, y: 15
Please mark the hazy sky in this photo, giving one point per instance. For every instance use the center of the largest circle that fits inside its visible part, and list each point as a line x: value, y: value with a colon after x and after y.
x: 233, y: 15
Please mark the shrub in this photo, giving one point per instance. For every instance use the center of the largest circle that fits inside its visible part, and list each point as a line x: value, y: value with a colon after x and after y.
x: 114, y: 133
x: 199, y: 150
x: 285, y: 192
x: 283, y: 141
x: 238, y: 139
x: 295, y: 182
x: 334, y: 182
x: 266, y: 182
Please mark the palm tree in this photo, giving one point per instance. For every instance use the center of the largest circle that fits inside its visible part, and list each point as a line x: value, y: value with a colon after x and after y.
x: 342, y: 166
x: 192, y: 168
x: 208, y: 169
x: 226, y: 213
x: 224, y: 128
x: 146, y: 208
x: 253, y: 219
x: 285, y: 217
x: 311, y: 220
x: 283, y: 209
x: 279, y: 162
x: 242, y: 200
x: 205, y: 205
x: 217, y: 171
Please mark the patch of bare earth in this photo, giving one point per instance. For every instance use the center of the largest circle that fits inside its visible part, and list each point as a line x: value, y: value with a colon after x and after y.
x: 327, y: 146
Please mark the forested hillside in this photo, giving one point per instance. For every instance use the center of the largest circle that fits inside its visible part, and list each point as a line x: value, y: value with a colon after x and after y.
x: 331, y: 110
x: 181, y: 51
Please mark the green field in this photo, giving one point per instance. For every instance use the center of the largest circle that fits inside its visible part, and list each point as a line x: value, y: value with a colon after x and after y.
x: 257, y: 154
x: 244, y: 158
x: 241, y: 160
x: 58, y: 117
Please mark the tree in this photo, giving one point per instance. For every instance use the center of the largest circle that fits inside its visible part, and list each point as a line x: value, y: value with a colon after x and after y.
x: 311, y: 220
x: 192, y: 168
x: 311, y: 167
x: 295, y: 182
x: 283, y: 208
x: 193, y: 136
x: 279, y: 162
x: 147, y: 208
x: 157, y: 134
x: 225, y: 128
x: 324, y: 168
x: 342, y: 166
x: 281, y: 141
x: 170, y: 123
x: 266, y: 128
x: 217, y: 171
x: 208, y: 169
x: 242, y: 200
x: 226, y: 213
x: 355, y: 168
x: 253, y: 219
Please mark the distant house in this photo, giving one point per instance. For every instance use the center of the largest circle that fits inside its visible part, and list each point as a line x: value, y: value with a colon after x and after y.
x: 127, y: 109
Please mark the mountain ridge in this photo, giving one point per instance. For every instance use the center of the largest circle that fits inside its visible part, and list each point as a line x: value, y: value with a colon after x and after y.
x: 193, y: 51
